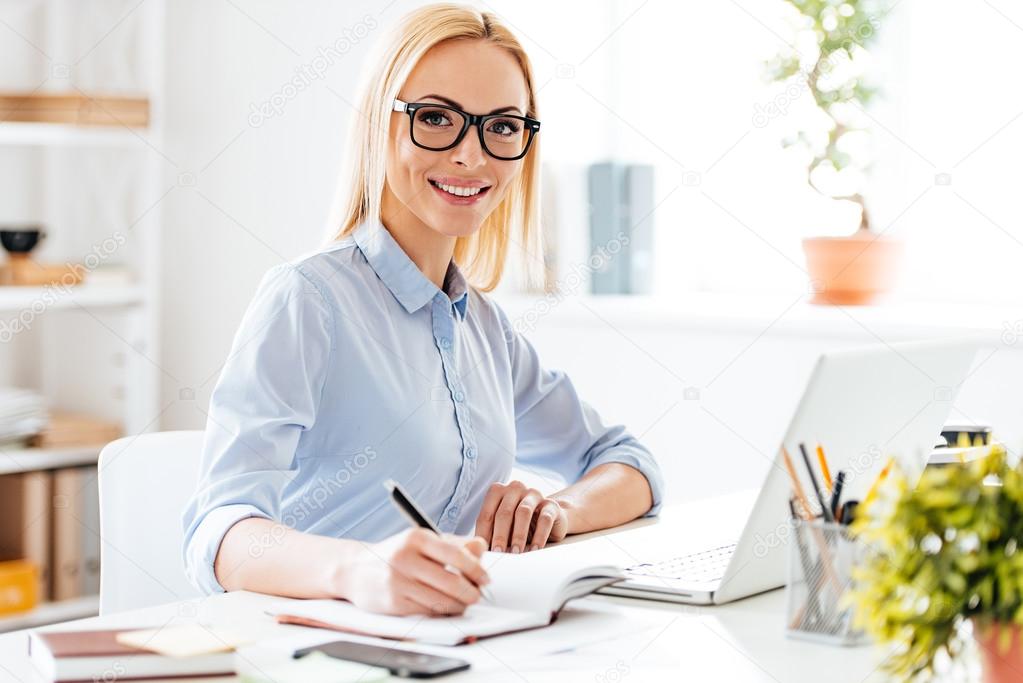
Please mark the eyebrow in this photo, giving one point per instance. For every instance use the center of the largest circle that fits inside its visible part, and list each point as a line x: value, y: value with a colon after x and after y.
x: 451, y: 103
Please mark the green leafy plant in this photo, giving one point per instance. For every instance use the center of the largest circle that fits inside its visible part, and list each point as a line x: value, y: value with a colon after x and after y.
x: 832, y: 37
x: 939, y: 555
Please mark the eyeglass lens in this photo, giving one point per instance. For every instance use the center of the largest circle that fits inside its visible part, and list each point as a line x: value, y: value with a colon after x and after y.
x: 438, y: 128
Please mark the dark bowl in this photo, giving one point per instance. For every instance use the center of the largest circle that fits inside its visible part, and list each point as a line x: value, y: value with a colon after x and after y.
x: 20, y: 241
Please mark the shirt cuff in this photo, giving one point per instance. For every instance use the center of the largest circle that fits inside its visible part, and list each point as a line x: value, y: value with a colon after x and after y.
x: 205, y: 544
x: 641, y: 461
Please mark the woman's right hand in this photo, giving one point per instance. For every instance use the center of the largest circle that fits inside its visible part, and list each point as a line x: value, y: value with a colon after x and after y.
x: 407, y: 574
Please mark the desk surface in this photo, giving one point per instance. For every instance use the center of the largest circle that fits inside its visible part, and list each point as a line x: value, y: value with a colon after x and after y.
x: 597, y: 638
x: 615, y: 639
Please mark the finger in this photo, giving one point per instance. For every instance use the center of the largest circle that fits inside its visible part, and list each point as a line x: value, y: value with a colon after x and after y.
x: 546, y: 516
x: 430, y: 600
x: 446, y: 552
x: 524, y: 519
x: 477, y: 546
x: 403, y: 607
x: 451, y: 583
x: 504, y: 517
x: 560, y: 529
x: 485, y: 520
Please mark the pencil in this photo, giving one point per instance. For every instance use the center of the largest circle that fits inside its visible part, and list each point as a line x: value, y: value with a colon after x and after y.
x: 796, y: 486
x: 805, y: 503
x: 824, y: 467
x: 877, y: 482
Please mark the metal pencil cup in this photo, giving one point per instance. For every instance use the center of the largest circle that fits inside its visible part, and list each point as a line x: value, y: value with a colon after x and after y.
x: 821, y: 559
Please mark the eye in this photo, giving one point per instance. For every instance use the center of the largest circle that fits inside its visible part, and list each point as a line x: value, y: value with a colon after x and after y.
x: 434, y: 117
x: 505, y: 127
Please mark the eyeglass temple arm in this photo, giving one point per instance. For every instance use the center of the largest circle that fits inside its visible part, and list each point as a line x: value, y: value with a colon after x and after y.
x: 400, y: 106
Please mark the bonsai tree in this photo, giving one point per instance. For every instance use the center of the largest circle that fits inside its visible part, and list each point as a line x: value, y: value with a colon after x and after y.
x: 942, y: 558
x: 834, y: 36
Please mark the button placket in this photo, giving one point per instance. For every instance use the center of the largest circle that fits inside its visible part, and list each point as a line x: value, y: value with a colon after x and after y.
x: 443, y: 330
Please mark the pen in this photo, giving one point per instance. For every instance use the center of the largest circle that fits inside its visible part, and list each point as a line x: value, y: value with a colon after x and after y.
x: 411, y: 511
x: 816, y: 487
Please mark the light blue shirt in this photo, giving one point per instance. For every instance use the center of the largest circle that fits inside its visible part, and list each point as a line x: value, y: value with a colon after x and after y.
x: 349, y: 368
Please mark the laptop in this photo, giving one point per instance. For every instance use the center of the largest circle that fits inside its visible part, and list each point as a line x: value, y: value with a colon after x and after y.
x: 863, y: 406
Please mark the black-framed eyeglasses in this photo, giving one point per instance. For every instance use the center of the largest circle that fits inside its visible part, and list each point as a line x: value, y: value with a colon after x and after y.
x: 437, y: 127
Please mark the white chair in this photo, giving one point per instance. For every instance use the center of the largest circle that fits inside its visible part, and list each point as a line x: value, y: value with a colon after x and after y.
x: 144, y: 483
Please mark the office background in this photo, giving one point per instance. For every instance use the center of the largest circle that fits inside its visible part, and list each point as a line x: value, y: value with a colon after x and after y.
x: 250, y: 104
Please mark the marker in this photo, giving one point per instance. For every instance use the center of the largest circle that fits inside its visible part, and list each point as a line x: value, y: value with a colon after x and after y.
x: 836, y: 493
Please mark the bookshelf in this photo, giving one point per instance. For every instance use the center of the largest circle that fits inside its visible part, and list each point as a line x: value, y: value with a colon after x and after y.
x: 65, y: 135
x: 52, y: 613
x: 13, y: 299
x: 16, y: 461
x: 91, y: 348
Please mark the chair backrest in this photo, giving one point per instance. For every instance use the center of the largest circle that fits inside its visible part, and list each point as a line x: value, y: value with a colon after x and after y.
x: 144, y: 483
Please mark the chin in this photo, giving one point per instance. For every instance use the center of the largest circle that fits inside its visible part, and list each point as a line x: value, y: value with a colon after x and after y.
x: 455, y: 226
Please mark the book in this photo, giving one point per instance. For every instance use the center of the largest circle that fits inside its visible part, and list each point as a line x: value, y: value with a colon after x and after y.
x: 65, y: 656
x: 76, y: 546
x: 527, y: 591
x: 19, y: 586
x: 25, y: 507
x: 72, y: 429
x: 100, y: 109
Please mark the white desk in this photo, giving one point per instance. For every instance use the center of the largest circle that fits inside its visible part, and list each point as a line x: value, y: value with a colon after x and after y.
x: 615, y: 640
x: 743, y: 641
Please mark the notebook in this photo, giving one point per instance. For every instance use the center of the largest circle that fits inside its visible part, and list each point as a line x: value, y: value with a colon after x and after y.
x: 526, y: 591
x: 103, y: 655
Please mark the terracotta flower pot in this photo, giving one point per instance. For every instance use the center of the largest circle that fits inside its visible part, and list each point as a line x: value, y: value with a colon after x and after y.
x: 1000, y: 665
x: 851, y: 270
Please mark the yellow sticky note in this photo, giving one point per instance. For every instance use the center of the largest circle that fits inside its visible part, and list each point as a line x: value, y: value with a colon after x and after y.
x: 186, y: 641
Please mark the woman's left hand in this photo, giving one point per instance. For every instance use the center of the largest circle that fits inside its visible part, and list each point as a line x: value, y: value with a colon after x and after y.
x: 516, y: 518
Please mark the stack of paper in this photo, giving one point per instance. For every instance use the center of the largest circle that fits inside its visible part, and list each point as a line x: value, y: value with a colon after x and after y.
x: 23, y: 413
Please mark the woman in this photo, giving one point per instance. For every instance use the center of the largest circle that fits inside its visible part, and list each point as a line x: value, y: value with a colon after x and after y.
x: 374, y: 359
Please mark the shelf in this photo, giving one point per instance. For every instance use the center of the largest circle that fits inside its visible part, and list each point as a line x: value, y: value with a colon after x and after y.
x: 67, y: 135
x: 758, y: 313
x: 13, y: 460
x: 13, y: 298
x: 51, y: 613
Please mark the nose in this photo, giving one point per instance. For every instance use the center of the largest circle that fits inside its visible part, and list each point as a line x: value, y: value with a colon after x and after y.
x: 469, y: 152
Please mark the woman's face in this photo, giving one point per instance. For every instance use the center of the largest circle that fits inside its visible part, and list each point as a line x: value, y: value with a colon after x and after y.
x: 476, y: 77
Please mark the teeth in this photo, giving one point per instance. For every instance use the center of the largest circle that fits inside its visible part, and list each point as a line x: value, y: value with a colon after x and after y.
x: 459, y: 191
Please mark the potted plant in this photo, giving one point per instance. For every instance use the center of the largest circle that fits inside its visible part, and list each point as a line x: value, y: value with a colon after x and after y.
x: 834, y: 36
x: 944, y: 563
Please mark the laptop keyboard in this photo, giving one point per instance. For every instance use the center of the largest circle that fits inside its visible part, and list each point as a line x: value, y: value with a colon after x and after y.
x: 704, y: 566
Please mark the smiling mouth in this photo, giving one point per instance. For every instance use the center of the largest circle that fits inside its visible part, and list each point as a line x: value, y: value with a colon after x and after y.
x: 461, y: 191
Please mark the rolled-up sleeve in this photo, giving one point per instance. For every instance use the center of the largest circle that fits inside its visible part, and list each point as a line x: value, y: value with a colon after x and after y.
x: 558, y: 432
x: 268, y: 393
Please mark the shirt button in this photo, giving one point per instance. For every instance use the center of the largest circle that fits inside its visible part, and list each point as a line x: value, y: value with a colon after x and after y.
x: 470, y: 452
x: 445, y: 343
x: 459, y: 396
x: 453, y: 511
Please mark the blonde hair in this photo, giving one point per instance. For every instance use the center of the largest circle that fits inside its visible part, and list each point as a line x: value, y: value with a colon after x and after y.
x: 482, y: 255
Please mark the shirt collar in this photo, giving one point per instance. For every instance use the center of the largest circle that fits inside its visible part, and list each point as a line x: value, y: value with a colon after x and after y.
x: 410, y: 287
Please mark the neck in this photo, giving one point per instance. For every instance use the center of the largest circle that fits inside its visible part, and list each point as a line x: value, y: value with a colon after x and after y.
x: 428, y: 249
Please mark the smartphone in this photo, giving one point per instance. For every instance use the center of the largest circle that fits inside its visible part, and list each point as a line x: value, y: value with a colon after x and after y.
x: 401, y: 663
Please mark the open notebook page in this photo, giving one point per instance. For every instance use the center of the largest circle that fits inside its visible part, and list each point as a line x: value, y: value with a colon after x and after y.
x: 526, y: 590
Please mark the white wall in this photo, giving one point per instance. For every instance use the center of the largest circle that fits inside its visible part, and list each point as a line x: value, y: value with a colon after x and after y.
x: 262, y: 192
